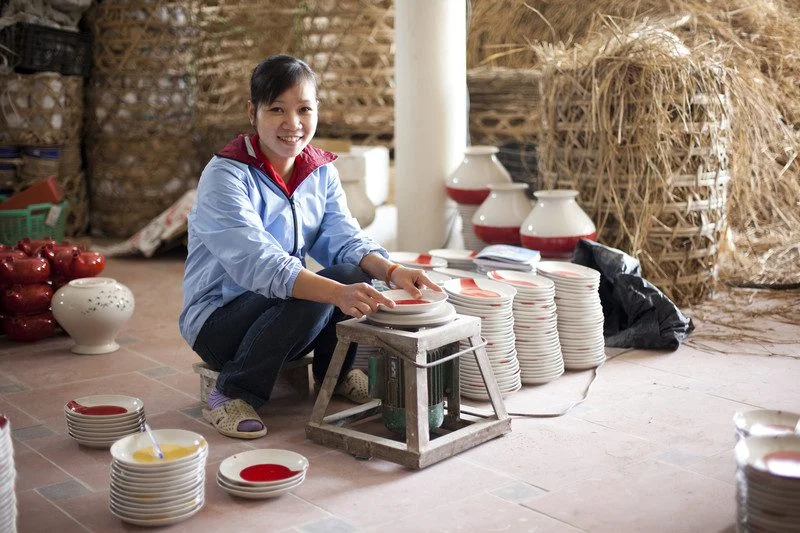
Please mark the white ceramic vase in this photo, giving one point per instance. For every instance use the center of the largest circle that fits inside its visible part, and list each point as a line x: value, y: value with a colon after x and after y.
x: 469, y: 183
x: 358, y: 202
x: 556, y: 224
x: 92, y: 311
x: 498, y: 219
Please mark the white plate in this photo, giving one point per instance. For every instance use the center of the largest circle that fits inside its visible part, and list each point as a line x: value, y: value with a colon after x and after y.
x: 459, y: 273
x: 480, y: 290
x: 413, y: 260
x: 232, y: 466
x: 254, y: 494
x: 448, y: 254
x: 129, y: 403
x: 776, y: 456
x: 525, y: 282
x: 154, y: 522
x: 437, y: 277
x: 766, y: 422
x: 567, y: 271
x: 443, y: 314
x: 429, y: 300
x: 123, y: 450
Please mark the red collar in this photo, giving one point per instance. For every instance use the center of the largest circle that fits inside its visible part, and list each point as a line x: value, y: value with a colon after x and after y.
x: 245, y: 149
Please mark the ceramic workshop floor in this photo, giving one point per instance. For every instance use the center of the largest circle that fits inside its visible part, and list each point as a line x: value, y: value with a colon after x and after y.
x: 651, y: 450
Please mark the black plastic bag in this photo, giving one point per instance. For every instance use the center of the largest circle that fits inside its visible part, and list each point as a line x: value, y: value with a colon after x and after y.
x: 637, y: 314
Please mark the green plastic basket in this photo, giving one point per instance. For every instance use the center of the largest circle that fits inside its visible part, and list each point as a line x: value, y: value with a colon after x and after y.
x: 15, y: 224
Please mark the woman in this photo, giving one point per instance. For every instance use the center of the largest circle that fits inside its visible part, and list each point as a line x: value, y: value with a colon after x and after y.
x: 263, y: 203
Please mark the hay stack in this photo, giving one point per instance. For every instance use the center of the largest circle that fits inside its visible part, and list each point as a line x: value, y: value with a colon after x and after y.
x: 757, y: 39
x: 641, y: 129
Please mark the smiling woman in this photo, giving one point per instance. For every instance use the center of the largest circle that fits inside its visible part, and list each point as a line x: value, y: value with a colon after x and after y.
x: 264, y: 202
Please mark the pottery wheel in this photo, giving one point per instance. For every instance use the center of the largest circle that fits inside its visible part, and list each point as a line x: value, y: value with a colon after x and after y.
x: 441, y: 315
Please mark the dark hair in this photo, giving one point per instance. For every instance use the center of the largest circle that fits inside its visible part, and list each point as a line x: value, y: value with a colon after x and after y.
x: 275, y: 75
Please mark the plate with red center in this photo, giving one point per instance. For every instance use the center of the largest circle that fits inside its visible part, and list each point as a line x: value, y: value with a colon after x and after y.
x: 104, y: 407
x: 483, y: 291
x: 415, y: 260
x: 406, y: 304
x: 263, y: 468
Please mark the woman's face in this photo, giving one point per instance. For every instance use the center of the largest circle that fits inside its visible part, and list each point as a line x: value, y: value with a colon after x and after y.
x: 286, y: 125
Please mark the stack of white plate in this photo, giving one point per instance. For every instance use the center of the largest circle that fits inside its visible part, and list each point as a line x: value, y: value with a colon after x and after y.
x: 471, y: 241
x: 538, y: 346
x: 98, y: 421
x: 765, y: 423
x: 148, y: 491
x: 259, y: 474
x: 580, y: 315
x: 430, y: 310
x: 459, y: 259
x: 491, y: 301
x: 8, y: 499
x: 768, y: 484
x: 415, y: 260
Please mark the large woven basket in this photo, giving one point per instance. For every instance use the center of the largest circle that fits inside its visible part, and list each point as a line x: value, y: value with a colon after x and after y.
x: 504, y: 105
x: 34, y: 110
x: 659, y: 189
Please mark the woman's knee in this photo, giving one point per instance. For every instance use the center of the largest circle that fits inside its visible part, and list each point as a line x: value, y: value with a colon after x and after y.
x: 345, y: 273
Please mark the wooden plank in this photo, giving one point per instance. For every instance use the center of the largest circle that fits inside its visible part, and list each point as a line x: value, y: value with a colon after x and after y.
x: 354, y: 414
x: 488, y: 378
x: 416, y: 396
x: 362, y: 444
x: 331, y: 378
x: 463, y: 439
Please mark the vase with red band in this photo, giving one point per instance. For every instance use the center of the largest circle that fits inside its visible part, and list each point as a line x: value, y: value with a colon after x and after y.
x: 498, y: 219
x: 469, y: 183
x: 556, y: 224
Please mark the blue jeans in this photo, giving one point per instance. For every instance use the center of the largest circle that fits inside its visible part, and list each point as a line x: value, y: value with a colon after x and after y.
x: 248, y: 340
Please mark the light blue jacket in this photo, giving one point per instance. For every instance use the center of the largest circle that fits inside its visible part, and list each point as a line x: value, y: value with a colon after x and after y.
x: 246, y: 234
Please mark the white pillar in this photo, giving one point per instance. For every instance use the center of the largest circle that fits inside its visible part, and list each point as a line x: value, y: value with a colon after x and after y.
x: 430, y: 116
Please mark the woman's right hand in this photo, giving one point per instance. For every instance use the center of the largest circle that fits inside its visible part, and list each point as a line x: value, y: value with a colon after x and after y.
x: 359, y: 299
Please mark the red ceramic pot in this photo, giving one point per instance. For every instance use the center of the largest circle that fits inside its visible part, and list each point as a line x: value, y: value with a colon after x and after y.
x: 29, y: 246
x: 469, y: 183
x: 78, y: 264
x: 556, y: 224
x: 30, y: 328
x: 28, y: 299
x: 49, y: 251
x: 498, y: 219
x: 24, y: 270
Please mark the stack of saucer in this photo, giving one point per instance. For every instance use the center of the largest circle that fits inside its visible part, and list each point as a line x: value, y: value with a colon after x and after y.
x: 538, y: 345
x: 99, y: 421
x: 491, y: 301
x: 415, y: 260
x: 430, y: 310
x: 259, y: 474
x: 768, y: 483
x: 8, y: 499
x: 580, y: 315
x: 459, y: 259
x: 467, y: 212
x: 149, y: 491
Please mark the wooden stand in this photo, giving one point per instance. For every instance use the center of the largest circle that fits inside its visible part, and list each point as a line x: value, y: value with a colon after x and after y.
x: 459, y: 431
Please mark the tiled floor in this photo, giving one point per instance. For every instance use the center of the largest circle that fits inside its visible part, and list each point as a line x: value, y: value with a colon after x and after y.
x: 650, y: 450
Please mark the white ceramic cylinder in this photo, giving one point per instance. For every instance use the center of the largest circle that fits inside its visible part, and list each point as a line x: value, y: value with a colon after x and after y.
x: 498, y: 219
x: 556, y: 224
x: 480, y: 168
x: 430, y: 131
x: 92, y: 311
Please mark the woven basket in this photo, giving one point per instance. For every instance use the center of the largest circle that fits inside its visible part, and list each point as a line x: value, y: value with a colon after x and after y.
x: 350, y: 44
x: 75, y: 190
x: 666, y: 210
x: 33, y: 109
x: 503, y: 105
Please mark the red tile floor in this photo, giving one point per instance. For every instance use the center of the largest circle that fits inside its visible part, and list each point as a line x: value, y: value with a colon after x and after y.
x: 650, y: 450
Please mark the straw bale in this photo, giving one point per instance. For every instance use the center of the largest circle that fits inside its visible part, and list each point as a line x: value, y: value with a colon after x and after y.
x: 640, y: 129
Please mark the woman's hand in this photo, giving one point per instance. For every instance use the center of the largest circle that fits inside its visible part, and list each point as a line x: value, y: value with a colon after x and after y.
x: 359, y: 299
x: 412, y: 279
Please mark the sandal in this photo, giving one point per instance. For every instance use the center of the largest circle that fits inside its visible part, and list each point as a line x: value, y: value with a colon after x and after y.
x: 226, y: 419
x: 354, y: 387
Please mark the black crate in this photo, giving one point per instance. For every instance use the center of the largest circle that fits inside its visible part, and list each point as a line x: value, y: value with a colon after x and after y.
x: 35, y: 48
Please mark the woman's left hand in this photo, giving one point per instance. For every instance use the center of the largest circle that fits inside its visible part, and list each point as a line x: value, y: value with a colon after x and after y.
x: 412, y: 279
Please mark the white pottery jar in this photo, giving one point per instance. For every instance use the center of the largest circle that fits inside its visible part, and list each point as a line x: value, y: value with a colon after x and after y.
x: 92, y: 311
x: 469, y: 183
x: 361, y: 207
x: 498, y: 219
x: 556, y: 224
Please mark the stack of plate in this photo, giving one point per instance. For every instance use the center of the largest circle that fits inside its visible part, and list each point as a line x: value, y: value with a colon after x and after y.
x: 430, y: 310
x: 259, y: 474
x: 580, y: 315
x: 148, y: 491
x: 415, y: 260
x: 8, y: 500
x: 491, y: 301
x: 471, y: 241
x: 99, y: 421
x: 538, y: 346
x: 765, y: 423
x: 459, y: 259
x: 768, y: 483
